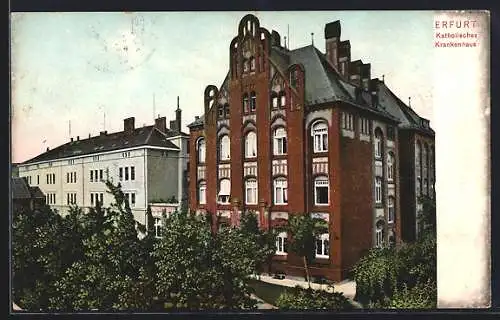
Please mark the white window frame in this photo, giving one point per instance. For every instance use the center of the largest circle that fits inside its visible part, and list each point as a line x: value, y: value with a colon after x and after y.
x: 253, y: 102
x: 202, y: 192
x: 280, y: 141
x: 378, y: 144
x: 283, y: 100
x: 158, y: 224
x: 251, y: 189
x: 224, y: 194
x: 280, y: 191
x: 325, y: 249
x: 379, y: 236
x: 225, y: 148
x: 390, y: 166
x: 281, y: 244
x: 378, y: 190
x: 319, y: 132
x: 251, y: 144
x: 201, y: 148
x: 391, y: 212
x: 274, y: 101
x: 321, y: 182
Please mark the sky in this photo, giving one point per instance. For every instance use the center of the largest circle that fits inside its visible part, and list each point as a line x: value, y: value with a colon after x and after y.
x: 92, y: 70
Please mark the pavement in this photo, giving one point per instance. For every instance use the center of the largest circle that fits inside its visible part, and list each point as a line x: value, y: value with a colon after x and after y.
x: 347, y: 287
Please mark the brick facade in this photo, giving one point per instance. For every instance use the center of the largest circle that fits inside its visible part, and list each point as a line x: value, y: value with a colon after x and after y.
x: 260, y: 65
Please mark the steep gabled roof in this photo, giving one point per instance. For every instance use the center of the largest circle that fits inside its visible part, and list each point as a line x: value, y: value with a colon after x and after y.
x: 145, y: 136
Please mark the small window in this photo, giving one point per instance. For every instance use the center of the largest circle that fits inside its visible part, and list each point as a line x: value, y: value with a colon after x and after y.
x: 251, y: 191
x: 126, y: 174
x: 226, y: 110
x: 252, y: 64
x: 253, y: 102
x: 365, y: 126
x: 202, y: 189
x: 274, y: 101
x: 390, y: 166
x: 282, y: 99
x: 378, y: 143
x: 91, y: 175
x: 120, y: 173
x: 251, y: 145
x: 391, y: 135
x: 220, y: 110
x: 200, y: 146
x: 378, y: 190
x: 280, y: 145
x: 390, y: 210
x: 224, y: 191
x: 379, y: 236
x: 280, y: 191
x: 321, y: 190
x: 224, y: 148
x: 158, y: 228
x: 282, y: 244
x: 101, y: 175
x: 320, y: 136
x: 347, y: 121
x: 323, y: 246
x: 132, y: 173
x: 132, y: 199
x: 246, y: 65
x: 245, y: 103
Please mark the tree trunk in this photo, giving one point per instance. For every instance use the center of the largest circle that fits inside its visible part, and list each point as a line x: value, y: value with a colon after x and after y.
x: 307, y: 272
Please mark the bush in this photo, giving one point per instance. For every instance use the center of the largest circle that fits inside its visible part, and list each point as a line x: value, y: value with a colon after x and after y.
x: 422, y: 296
x: 298, y: 298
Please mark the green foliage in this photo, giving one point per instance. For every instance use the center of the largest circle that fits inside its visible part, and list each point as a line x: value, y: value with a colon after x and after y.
x: 403, y: 276
x: 298, y: 298
x: 303, y: 230
x: 198, y: 270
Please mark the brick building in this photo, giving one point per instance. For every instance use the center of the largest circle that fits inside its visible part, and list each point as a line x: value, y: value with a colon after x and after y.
x: 298, y: 131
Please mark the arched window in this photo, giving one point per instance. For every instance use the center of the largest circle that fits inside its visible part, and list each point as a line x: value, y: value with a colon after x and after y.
x: 245, y: 103
x: 280, y: 191
x: 202, y: 192
x: 224, y: 148
x: 390, y: 166
x: 321, y: 190
x: 201, y: 148
x: 390, y: 209
x: 281, y: 243
x: 224, y: 191
x: 279, y: 145
x: 251, y: 145
x: 251, y: 191
x: 253, y: 102
x: 323, y: 246
x: 320, y: 136
x: 379, y: 144
x: 378, y: 190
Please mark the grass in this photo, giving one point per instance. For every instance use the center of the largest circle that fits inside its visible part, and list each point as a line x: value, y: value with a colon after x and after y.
x: 267, y: 291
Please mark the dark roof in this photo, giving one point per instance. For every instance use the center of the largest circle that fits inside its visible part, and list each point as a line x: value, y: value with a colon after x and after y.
x: 20, y: 188
x: 198, y: 122
x: 37, y: 193
x: 143, y: 136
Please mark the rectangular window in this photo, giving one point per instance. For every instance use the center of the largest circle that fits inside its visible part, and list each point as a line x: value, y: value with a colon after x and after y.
x: 67, y: 177
x: 251, y: 192
x: 390, y: 205
x: 92, y: 199
x: 323, y: 246
x: 321, y: 190
x: 378, y: 190
x: 390, y: 133
x: 91, y: 175
x: 101, y: 196
x: 37, y: 179
x: 365, y: 126
x: 379, y: 238
x: 67, y: 199
x: 132, y: 173
x: 280, y: 191
x: 120, y: 173
x: 100, y: 175
x: 281, y: 244
x: 158, y: 228
x: 202, y: 193
x: 126, y: 173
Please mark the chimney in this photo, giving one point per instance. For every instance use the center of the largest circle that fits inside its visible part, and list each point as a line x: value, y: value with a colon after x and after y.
x: 344, y: 57
x: 103, y: 133
x: 89, y: 136
x: 161, y: 124
x: 78, y: 138
x: 355, y: 72
x: 374, y: 83
x: 71, y: 139
x: 48, y: 149
x: 366, y: 74
x: 275, y: 39
x: 178, y: 116
x: 129, y: 125
x: 332, y: 39
x: 196, y: 118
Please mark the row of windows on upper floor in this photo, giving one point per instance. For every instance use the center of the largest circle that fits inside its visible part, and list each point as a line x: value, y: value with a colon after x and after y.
x: 95, y: 198
x: 249, y: 103
x: 319, y: 134
x: 321, y: 192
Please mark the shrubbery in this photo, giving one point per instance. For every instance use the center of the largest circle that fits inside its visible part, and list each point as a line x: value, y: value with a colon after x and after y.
x: 298, y: 298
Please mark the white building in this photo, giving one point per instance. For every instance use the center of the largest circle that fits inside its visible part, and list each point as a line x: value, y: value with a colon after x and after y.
x: 150, y: 163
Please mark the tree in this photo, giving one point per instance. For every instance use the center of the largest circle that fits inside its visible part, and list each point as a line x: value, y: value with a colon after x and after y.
x: 304, y: 229
x: 298, y: 298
